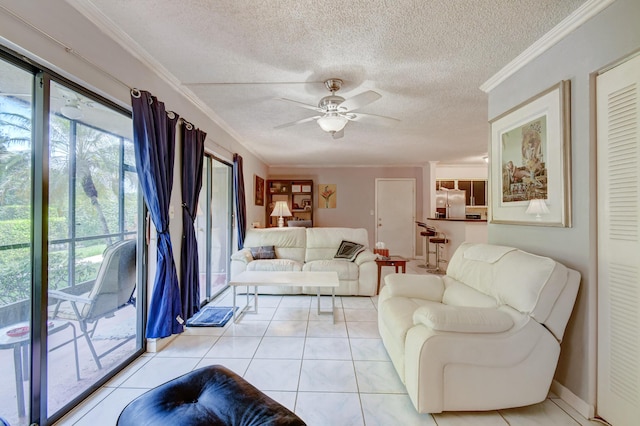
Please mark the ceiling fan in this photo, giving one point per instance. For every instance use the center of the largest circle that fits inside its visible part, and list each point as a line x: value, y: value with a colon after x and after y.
x: 72, y: 104
x: 337, y: 111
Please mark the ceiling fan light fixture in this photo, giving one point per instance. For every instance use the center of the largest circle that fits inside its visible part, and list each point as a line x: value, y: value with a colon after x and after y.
x: 332, y: 123
x: 72, y: 112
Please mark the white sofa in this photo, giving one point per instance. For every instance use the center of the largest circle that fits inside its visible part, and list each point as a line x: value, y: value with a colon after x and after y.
x: 485, y: 336
x: 310, y: 249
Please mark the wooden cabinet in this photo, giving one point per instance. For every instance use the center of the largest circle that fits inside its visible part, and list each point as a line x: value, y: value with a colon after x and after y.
x: 299, y: 197
x: 476, y: 190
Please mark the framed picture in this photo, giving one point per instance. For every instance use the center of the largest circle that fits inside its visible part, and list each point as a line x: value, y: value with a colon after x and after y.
x: 327, y: 195
x: 259, y: 190
x: 530, y: 161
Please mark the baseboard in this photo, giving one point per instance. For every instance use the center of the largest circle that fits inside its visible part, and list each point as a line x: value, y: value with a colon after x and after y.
x: 584, y: 409
x: 156, y: 345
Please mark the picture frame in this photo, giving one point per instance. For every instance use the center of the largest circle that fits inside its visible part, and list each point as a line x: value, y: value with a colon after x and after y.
x: 259, y: 191
x: 327, y: 195
x: 530, y: 161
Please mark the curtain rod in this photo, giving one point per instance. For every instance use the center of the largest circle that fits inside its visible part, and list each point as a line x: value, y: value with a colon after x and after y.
x: 71, y: 51
x: 67, y: 49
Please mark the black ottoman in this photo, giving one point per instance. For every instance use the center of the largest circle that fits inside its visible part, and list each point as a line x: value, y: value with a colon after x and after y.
x: 211, y: 395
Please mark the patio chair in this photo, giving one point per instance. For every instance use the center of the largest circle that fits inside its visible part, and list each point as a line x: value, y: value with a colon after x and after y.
x: 112, y: 290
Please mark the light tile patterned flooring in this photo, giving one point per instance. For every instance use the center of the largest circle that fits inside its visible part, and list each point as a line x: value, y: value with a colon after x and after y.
x: 329, y: 374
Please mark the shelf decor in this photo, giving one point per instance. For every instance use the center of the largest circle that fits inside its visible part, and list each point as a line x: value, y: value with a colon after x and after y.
x: 298, y: 195
x: 530, y: 160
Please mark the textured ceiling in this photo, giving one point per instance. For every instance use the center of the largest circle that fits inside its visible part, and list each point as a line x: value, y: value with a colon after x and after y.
x: 426, y: 58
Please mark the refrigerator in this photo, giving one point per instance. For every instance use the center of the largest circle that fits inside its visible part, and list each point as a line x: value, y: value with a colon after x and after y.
x: 450, y: 203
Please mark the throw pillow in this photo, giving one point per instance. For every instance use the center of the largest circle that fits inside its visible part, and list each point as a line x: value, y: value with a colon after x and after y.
x: 348, y: 250
x: 263, y: 252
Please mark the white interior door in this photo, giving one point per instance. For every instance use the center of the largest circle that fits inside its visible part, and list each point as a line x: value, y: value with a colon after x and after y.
x: 618, y: 394
x: 395, y: 215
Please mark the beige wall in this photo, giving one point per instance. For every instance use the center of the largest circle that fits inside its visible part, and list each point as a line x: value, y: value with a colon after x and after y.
x: 356, y: 192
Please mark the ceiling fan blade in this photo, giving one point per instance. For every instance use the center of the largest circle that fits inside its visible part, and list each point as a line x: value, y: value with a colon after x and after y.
x: 293, y: 123
x: 358, y: 101
x: 372, y: 118
x: 302, y: 104
x: 338, y: 135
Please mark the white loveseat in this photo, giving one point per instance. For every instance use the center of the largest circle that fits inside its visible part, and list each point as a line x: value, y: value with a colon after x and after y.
x: 310, y: 249
x: 485, y: 336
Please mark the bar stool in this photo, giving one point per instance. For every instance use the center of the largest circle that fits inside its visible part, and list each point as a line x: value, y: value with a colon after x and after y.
x: 439, y: 240
x: 429, y: 231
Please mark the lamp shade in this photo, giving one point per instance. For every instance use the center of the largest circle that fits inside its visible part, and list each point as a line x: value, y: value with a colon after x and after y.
x: 281, y: 209
x: 537, y: 207
x: 332, y: 122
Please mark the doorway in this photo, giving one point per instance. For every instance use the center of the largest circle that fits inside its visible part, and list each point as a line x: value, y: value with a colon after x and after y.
x: 395, y: 215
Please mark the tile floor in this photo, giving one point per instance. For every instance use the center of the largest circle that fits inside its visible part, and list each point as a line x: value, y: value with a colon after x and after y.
x: 329, y: 374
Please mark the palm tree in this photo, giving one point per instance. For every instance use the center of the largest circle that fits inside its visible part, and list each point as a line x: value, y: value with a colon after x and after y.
x: 14, y: 164
x: 90, y: 154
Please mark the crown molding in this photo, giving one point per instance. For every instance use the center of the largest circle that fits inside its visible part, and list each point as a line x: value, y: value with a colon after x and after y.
x: 93, y: 14
x: 581, y: 15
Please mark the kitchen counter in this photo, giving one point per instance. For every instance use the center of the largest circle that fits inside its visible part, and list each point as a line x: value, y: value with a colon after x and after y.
x: 458, y: 219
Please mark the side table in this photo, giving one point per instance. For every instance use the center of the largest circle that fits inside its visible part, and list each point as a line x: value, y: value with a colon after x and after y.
x: 397, y: 261
x: 20, y: 344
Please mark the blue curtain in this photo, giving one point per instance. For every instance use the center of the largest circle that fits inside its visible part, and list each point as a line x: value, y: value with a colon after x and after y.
x: 154, y: 136
x: 241, y: 207
x: 192, y: 158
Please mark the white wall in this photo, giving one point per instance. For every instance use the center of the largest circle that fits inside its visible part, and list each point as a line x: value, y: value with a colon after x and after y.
x: 611, y: 35
x: 461, y: 171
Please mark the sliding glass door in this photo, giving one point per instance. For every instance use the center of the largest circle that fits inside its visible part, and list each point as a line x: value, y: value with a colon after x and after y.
x: 15, y: 241
x: 69, y: 228
x: 213, y: 227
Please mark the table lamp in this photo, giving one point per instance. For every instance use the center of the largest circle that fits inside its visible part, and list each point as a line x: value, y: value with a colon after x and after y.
x: 281, y: 209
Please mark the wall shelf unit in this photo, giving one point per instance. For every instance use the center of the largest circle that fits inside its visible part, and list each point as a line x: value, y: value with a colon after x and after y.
x: 297, y: 193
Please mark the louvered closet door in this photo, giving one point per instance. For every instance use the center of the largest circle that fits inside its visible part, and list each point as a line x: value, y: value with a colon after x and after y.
x: 618, y: 100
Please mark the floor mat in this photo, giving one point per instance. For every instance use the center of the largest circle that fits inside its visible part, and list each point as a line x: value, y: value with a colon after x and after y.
x: 211, y: 316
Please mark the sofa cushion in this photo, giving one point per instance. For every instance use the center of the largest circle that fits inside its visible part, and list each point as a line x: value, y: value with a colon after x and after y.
x: 346, y: 270
x: 521, y: 279
x: 462, y: 319
x: 524, y: 281
x: 274, y: 265
x: 459, y: 294
x: 289, y: 243
x: 322, y: 243
x: 348, y: 250
x: 263, y: 252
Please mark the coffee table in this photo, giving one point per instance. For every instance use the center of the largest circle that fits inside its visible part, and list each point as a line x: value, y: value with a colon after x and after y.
x: 283, y: 278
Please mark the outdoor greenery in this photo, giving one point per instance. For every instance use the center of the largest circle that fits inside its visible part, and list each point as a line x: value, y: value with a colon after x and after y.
x: 83, y: 161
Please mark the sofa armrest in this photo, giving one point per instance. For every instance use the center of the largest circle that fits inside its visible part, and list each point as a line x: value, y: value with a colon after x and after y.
x: 365, y: 256
x: 428, y: 287
x: 243, y: 255
x: 462, y: 319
